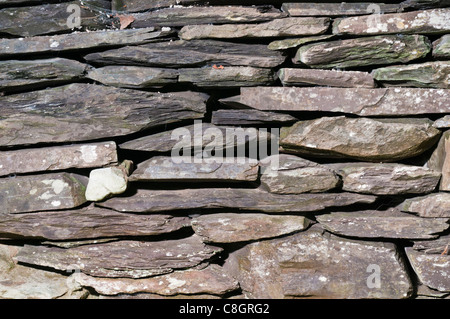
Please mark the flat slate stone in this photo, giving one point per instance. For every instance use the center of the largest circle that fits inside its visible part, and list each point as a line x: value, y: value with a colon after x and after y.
x: 178, y: 16
x: 79, y: 111
x: 57, y: 158
x: 440, y: 161
x: 315, y: 264
x: 434, y: 21
x: 287, y: 27
x: 225, y: 77
x: 433, y: 205
x: 364, y: 51
x: 309, y: 77
x: 28, y: 21
x: 336, y: 9
x: 77, y: 41
x: 363, y: 139
x: 441, y: 47
x: 36, y: 74
x: 209, y: 280
x: 179, y: 54
x: 248, y: 117
x: 295, y: 42
x: 425, y: 75
x: 431, y: 269
x: 184, y: 168
x: 146, y: 201
x: 386, y: 178
x: 125, y: 258
x: 443, y: 122
x: 133, y: 77
x: 144, y: 5
x: 439, y: 246
x: 359, y: 101
x: 229, y: 227
x: 31, y: 193
x: 289, y: 174
x: 89, y: 222
x: 383, y: 224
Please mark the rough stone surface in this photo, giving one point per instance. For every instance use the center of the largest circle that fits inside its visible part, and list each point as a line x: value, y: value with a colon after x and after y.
x: 295, y: 42
x: 360, y: 138
x: 249, y: 117
x: 87, y: 222
x: 441, y: 47
x: 57, y: 158
x: 288, y: 174
x: 300, y: 77
x: 359, y: 101
x: 364, y: 51
x: 179, y: 54
x: 425, y: 22
x: 26, y: 74
x: 125, y: 258
x: 229, y: 227
x: 443, y: 122
x: 31, y: 193
x: 433, y: 205
x: 240, y: 198
x: 78, y: 112
x: 425, y: 75
x: 386, y: 178
x: 383, y: 224
x: 286, y: 27
x: 183, y: 168
x: 437, y: 246
x: 432, y: 269
x: 210, y: 280
x: 440, y: 160
x: 108, y: 181
x: 316, y: 265
x: 78, y: 41
x: 144, y: 5
x: 335, y: 9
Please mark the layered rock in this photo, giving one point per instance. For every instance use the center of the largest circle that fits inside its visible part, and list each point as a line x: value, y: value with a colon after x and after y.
x: 441, y: 47
x: 433, y: 205
x: 146, y: 201
x: 440, y: 161
x: 425, y: 75
x: 78, y: 112
x: 364, y: 51
x: 359, y: 101
x: 229, y: 227
x: 359, y: 138
x: 425, y: 22
x: 125, y: 258
x: 249, y: 117
x: 143, y: 5
x: 286, y: 27
x: 335, y: 9
x: 31, y: 193
x: 383, y: 224
x: 386, y: 178
x: 288, y: 174
x: 57, y: 158
x: 296, y: 42
x: 315, y: 264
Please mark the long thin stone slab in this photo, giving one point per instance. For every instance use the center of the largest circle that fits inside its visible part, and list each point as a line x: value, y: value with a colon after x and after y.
x: 229, y: 227
x: 133, y: 77
x: 165, y: 168
x: 309, y: 77
x: 146, y: 201
x: 365, y: 139
x: 36, y: 74
x: 286, y: 27
x: 52, y: 191
x: 359, y: 101
x: 248, y: 117
x: 43, y: 19
x: 125, y: 258
x: 180, y: 54
x: 383, y: 224
x: 433, y: 205
x: 180, y: 16
x: 364, y: 51
x: 336, y: 9
x: 432, y: 21
x: 57, y: 158
x: 77, y: 41
x: 78, y: 112
x: 441, y: 47
x: 296, y: 42
x: 386, y: 178
x: 209, y: 280
x: 86, y: 223
x: 144, y: 5
x: 425, y: 75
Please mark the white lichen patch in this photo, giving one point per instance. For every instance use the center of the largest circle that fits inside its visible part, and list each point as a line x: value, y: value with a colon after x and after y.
x: 89, y: 153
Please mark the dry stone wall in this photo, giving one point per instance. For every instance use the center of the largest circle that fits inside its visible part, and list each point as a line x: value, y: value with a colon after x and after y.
x: 224, y: 149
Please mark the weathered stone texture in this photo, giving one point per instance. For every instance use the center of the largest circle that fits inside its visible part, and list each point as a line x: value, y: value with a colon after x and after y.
x: 441, y: 47
x: 335, y: 9
x: 433, y: 205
